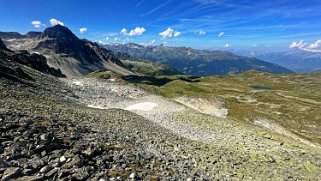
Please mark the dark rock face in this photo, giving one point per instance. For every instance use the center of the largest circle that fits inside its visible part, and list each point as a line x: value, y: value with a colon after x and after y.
x: 35, y: 61
x: 197, y: 62
x: 33, y: 34
x: 3, y: 46
x: 103, y: 53
x: 10, y: 35
x: 61, y: 40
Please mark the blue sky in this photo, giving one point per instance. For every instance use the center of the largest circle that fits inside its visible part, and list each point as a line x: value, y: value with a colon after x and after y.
x: 241, y: 24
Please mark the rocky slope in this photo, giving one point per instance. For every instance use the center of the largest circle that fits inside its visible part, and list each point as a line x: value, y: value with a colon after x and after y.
x: 45, y: 136
x: 48, y: 131
x: 65, y: 51
x: 10, y: 59
x: 197, y: 62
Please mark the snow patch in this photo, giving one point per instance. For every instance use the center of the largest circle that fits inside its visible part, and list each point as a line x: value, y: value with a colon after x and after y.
x: 144, y: 106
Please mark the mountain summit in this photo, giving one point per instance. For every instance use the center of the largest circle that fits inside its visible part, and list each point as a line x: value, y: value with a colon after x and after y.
x: 65, y: 51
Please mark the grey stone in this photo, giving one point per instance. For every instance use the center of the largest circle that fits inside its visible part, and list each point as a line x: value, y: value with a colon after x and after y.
x: 30, y: 178
x: 132, y: 175
x: 11, y: 173
x: 45, y: 169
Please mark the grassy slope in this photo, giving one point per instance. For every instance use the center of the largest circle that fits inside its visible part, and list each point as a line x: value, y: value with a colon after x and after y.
x: 149, y: 68
x: 293, y: 102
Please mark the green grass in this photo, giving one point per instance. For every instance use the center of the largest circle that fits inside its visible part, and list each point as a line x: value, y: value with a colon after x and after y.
x: 294, y: 101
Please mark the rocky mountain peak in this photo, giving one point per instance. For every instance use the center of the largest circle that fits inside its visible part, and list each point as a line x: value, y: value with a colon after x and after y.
x: 58, y: 31
x: 60, y: 40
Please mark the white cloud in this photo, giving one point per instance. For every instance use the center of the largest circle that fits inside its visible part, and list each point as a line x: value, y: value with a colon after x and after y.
x: 227, y: 45
x: 177, y: 33
x: 55, y: 22
x: 201, y: 32
x: 299, y: 44
x: 124, y: 31
x: 107, y: 38
x: 36, y: 24
x: 135, y: 32
x: 221, y: 34
x: 82, y: 30
x: 169, y: 33
x: 302, y: 45
x: 315, y: 45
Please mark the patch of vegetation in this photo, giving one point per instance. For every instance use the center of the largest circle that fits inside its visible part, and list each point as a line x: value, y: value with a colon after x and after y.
x: 293, y: 101
x: 150, y: 69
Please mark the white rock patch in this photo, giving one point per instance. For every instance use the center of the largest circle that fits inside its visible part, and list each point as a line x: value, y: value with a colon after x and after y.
x: 144, y: 106
x: 96, y: 107
x: 78, y: 83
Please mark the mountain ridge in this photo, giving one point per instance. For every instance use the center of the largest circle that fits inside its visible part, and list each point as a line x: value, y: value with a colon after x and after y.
x: 295, y: 59
x: 65, y: 51
x: 197, y: 62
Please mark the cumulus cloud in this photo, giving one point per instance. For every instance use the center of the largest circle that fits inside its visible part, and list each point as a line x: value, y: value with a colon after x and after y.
x: 299, y: 44
x: 315, y: 45
x: 36, y: 24
x: 55, y: 22
x: 302, y: 45
x: 82, y: 30
x: 124, y: 31
x: 135, y: 32
x: 227, y: 45
x: 221, y: 34
x: 177, y: 33
x: 169, y: 33
x: 201, y: 32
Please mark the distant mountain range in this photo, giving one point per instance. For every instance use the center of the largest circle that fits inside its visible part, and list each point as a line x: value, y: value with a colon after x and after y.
x: 197, y: 62
x: 296, y: 60
x: 65, y: 51
x: 74, y: 57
